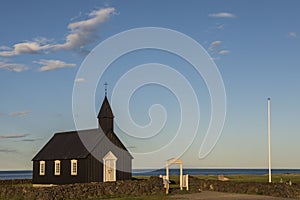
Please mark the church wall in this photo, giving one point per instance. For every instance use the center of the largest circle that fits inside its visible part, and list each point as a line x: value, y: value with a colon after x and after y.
x: 123, y: 158
x: 95, y: 169
x: 65, y: 176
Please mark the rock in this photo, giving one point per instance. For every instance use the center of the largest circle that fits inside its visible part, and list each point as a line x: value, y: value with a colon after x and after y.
x: 222, y: 178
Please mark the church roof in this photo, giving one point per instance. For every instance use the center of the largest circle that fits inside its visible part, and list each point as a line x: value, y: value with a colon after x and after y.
x: 65, y: 145
x: 105, y: 110
x: 69, y: 145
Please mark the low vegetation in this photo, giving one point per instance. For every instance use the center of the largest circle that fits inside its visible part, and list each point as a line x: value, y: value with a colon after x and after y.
x: 283, y: 185
x: 276, y: 178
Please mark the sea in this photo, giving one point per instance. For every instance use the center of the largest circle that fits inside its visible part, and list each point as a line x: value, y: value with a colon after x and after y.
x: 27, y: 174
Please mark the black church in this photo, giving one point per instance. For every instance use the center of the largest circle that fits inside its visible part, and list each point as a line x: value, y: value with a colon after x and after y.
x: 67, y: 159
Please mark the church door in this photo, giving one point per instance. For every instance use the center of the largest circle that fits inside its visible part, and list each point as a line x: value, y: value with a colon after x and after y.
x: 109, y: 167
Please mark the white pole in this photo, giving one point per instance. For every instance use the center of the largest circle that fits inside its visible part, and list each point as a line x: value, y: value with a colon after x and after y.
x: 180, y: 176
x: 269, y: 137
x: 167, y: 170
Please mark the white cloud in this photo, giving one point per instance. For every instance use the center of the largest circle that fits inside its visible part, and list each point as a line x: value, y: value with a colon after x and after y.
x: 84, y: 32
x: 14, y: 136
x: 81, y: 34
x: 220, y: 26
x: 7, y: 53
x: 30, y: 140
x: 214, y: 45
x: 25, y: 48
x: 15, y: 67
x: 293, y: 34
x: 19, y: 114
x: 5, y: 48
x: 222, y: 15
x: 29, y: 48
x: 43, y: 40
x: 215, y: 48
x: 7, y: 151
x: 79, y: 80
x: 49, y: 65
x: 223, y: 52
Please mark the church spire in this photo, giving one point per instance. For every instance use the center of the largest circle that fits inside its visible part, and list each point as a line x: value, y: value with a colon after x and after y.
x: 105, y: 115
x: 105, y: 86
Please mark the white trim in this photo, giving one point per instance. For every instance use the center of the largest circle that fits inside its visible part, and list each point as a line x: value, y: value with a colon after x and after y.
x: 74, y: 167
x: 42, y: 168
x: 57, y: 167
x: 110, y: 156
x: 109, y: 166
x: 43, y: 185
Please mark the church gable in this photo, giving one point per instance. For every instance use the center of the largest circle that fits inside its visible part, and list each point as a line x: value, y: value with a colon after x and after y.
x: 110, y: 156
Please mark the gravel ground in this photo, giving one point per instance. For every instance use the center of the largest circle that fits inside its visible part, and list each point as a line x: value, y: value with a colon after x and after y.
x: 220, y: 195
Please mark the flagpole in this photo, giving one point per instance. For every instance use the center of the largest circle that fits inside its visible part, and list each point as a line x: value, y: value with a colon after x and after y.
x: 269, y: 138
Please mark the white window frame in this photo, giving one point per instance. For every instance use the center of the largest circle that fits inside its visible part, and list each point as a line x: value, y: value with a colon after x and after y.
x: 42, y: 168
x: 74, y: 167
x: 57, y: 167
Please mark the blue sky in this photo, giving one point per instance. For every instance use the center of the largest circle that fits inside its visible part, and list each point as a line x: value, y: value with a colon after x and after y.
x: 255, y: 45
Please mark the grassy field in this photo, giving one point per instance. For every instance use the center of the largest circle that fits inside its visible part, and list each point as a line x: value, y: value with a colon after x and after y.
x: 295, y: 178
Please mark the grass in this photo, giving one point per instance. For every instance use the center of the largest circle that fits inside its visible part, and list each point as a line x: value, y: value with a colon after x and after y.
x: 295, y: 178
x: 23, y: 185
x: 162, y: 197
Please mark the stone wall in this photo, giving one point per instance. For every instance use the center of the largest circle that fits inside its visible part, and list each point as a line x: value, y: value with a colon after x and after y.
x: 22, y: 189
x: 268, y: 189
x: 84, y: 191
x: 15, y: 181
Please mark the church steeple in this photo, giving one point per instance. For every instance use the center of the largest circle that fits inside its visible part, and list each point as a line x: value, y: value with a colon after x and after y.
x: 105, y: 85
x: 105, y: 116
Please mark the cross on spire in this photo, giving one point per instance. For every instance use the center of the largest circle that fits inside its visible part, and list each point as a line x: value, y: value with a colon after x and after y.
x: 105, y: 86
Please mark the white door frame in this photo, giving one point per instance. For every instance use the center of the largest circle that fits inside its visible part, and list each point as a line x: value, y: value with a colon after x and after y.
x: 174, y: 161
x: 109, y: 157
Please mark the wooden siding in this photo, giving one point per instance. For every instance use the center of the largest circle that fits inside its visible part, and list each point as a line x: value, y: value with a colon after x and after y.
x: 65, y: 176
x: 89, y: 170
x: 124, y: 159
x: 95, y: 169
